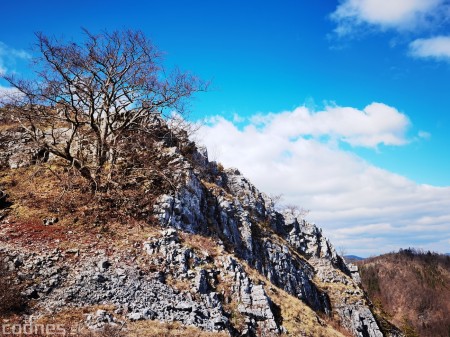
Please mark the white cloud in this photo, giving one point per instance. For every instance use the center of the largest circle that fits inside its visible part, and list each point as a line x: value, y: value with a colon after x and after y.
x: 354, y: 201
x: 376, y: 124
x: 436, y: 48
x: 9, y: 57
x: 8, y: 94
x: 387, y: 14
x: 237, y: 118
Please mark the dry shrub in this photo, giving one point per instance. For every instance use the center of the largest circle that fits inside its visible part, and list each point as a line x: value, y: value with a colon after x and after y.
x: 202, y: 244
x: 110, y: 331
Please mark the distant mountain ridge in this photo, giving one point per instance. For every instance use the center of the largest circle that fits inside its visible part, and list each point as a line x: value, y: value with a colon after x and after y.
x: 353, y: 258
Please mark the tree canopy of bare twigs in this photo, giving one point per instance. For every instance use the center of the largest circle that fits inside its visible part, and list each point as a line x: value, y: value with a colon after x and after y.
x: 296, y: 211
x: 88, y: 98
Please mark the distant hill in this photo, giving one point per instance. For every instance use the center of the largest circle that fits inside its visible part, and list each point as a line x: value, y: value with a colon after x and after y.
x: 351, y: 258
x: 411, y: 289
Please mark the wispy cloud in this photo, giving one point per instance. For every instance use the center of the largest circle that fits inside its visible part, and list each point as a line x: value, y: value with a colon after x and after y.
x: 296, y: 153
x: 424, y: 134
x: 9, y: 57
x: 434, y: 48
x: 387, y: 14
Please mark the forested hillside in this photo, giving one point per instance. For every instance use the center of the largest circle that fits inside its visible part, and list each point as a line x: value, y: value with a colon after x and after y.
x: 410, y: 288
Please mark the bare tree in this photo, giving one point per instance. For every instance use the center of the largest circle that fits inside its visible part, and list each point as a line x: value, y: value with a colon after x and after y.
x: 296, y: 211
x: 276, y: 199
x: 88, y: 97
x: 342, y: 251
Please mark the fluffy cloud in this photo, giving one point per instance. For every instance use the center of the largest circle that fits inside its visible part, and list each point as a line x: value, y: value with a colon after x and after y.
x: 437, y: 48
x: 386, y: 14
x: 364, y: 208
x: 377, y: 123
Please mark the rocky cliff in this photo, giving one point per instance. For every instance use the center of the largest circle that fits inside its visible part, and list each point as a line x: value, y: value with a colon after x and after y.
x: 218, y: 256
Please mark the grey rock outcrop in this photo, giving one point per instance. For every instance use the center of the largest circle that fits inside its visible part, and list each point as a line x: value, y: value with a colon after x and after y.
x: 136, y: 294
x: 361, y: 321
x: 170, y: 280
x: 237, y: 217
x: 354, y: 272
x: 232, y: 208
x: 350, y: 304
x: 17, y: 149
x: 253, y: 301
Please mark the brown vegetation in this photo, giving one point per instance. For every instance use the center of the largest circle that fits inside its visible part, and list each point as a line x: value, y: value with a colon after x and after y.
x: 160, y: 329
x: 411, y: 289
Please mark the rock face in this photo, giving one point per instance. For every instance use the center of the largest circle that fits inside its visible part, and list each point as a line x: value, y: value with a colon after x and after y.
x: 354, y: 272
x: 286, y: 250
x: 17, y: 149
x: 361, y: 321
x: 175, y: 281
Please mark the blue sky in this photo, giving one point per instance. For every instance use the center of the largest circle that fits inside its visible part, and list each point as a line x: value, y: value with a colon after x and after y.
x: 349, y: 100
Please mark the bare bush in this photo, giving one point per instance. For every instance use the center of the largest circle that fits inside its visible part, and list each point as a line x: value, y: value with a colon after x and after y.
x: 296, y: 211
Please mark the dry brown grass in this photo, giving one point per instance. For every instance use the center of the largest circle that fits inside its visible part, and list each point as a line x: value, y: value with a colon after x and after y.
x: 32, y: 191
x: 201, y: 244
x: 73, y: 315
x: 41, y: 191
x: 217, y: 190
x: 6, y: 121
x: 160, y: 329
x: 8, y: 127
x: 180, y: 284
x: 301, y: 320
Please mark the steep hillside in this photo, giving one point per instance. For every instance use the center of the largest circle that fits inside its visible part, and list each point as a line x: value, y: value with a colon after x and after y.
x: 186, y: 242
x: 412, y: 289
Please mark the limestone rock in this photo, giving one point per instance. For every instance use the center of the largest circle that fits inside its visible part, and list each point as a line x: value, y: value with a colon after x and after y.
x: 353, y: 268
x: 169, y: 280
